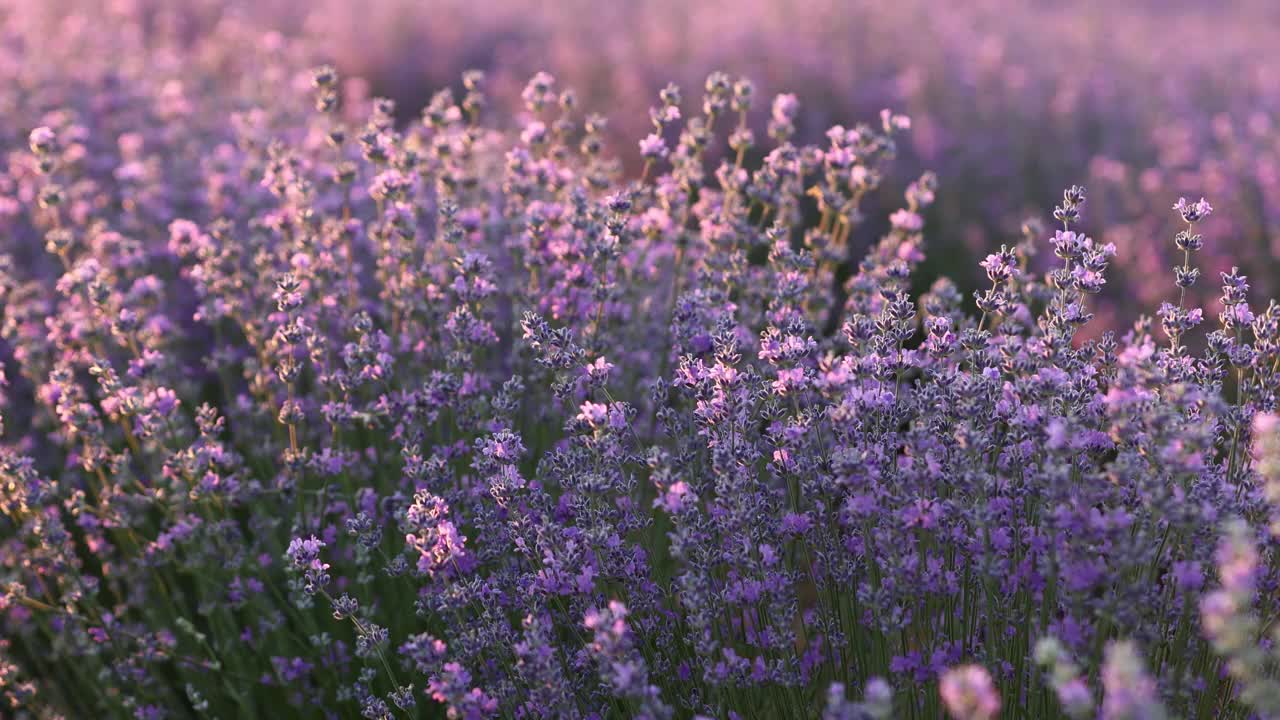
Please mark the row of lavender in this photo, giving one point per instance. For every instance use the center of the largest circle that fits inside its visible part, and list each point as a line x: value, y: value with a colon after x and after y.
x: 307, y: 408
x: 1141, y: 101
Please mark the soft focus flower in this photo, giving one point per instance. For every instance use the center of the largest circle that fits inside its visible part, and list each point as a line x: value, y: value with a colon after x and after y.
x: 969, y: 693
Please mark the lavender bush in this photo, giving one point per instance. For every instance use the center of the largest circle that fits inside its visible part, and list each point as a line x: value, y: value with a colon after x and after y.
x: 309, y: 408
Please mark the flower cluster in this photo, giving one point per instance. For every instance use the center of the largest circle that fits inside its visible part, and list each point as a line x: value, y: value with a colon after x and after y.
x: 309, y: 406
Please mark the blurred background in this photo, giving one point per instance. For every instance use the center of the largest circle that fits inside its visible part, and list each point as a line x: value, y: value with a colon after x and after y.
x: 1142, y: 101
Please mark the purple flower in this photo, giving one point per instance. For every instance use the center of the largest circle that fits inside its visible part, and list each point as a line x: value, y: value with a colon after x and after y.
x: 653, y: 147
x: 1193, y: 212
x: 440, y: 547
x: 304, y: 555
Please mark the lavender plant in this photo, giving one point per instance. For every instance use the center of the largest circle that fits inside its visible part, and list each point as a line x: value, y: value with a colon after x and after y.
x: 318, y: 410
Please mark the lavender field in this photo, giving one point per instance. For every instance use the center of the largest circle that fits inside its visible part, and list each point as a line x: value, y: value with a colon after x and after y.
x: 738, y: 360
